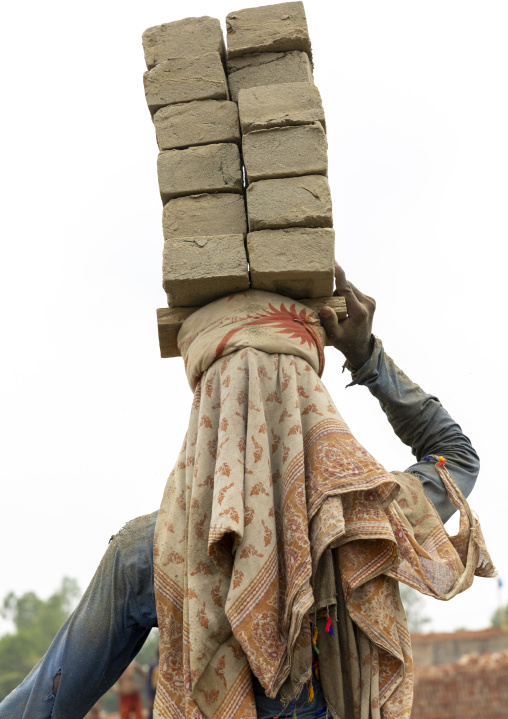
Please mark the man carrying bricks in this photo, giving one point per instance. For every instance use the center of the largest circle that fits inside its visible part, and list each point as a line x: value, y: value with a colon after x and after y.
x: 259, y: 567
x: 272, y: 566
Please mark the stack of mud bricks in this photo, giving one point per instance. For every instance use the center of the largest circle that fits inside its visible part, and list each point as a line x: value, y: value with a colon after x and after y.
x: 242, y: 166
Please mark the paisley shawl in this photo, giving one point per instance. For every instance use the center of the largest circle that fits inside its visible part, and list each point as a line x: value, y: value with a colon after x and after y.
x: 275, y: 517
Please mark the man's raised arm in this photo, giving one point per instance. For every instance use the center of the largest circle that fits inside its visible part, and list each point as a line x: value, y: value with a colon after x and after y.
x: 417, y: 418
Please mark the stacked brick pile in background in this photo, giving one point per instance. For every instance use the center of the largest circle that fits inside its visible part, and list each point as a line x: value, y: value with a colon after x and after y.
x: 290, y: 242
x: 199, y: 166
x: 475, y: 687
x: 207, y: 249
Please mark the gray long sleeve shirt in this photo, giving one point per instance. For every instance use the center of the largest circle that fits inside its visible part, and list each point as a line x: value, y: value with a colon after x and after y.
x: 421, y: 422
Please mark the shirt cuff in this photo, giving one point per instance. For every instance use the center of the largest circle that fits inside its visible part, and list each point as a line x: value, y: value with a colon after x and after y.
x: 360, y: 376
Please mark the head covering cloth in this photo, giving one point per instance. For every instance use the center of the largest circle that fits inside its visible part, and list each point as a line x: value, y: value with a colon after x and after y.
x: 261, y: 320
x: 275, y: 521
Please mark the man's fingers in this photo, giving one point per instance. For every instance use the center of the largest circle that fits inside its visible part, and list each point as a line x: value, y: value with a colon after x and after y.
x: 345, y: 289
x: 330, y: 323
x: 356, y: 300
x: 342, y: 286
x: 357, y: 292
x: 365, y: 299
x: 340, y: 277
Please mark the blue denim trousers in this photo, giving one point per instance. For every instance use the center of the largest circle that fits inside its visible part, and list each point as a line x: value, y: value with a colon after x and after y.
x: 103, y: 635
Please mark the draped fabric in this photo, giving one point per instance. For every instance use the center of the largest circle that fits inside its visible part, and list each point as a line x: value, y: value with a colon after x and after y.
x: 275, y: 518
x: 262, y: 320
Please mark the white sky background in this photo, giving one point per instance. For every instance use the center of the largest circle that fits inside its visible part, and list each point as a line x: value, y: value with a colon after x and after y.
x: 91, y: 417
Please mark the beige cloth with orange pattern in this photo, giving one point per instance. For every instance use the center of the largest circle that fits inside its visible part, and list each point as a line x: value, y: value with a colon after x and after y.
x: 275, y: 517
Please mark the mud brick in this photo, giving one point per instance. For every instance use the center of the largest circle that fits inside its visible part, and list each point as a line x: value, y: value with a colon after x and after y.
x: 267, y: 68
x: 297, y: 262
x: 270, y: 28
x: 190, y: 37
x: 289, y: 202
x: 296, y: 103
x: 203, y: 215
x: 201, y: 122
x: 183, y: 79
x: 285, y: 152
x: 198, y: 270
x: 207, y: 168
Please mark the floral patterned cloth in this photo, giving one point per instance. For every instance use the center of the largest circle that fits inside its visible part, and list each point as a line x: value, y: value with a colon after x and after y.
x: 258, y: 319
x: 275, y: 519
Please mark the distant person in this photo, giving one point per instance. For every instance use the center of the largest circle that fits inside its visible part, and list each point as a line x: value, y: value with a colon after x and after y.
x: 95, y: 711
x: 151, y: 684
x: 128, y: 688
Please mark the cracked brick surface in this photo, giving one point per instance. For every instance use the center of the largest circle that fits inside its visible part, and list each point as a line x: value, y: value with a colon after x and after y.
x: 204, y: 215
x: 285, y: 152
x: 184, y: 79
x: 289, y: 202
x: 267, y: 68
x: 278, y: 27
x: 298, y: 262
x: 190, y: 37
x: 290, y: 103
x: 206, y: 168
x: 198, y: 270
x: 192, y: 88
x: 200, y: 122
